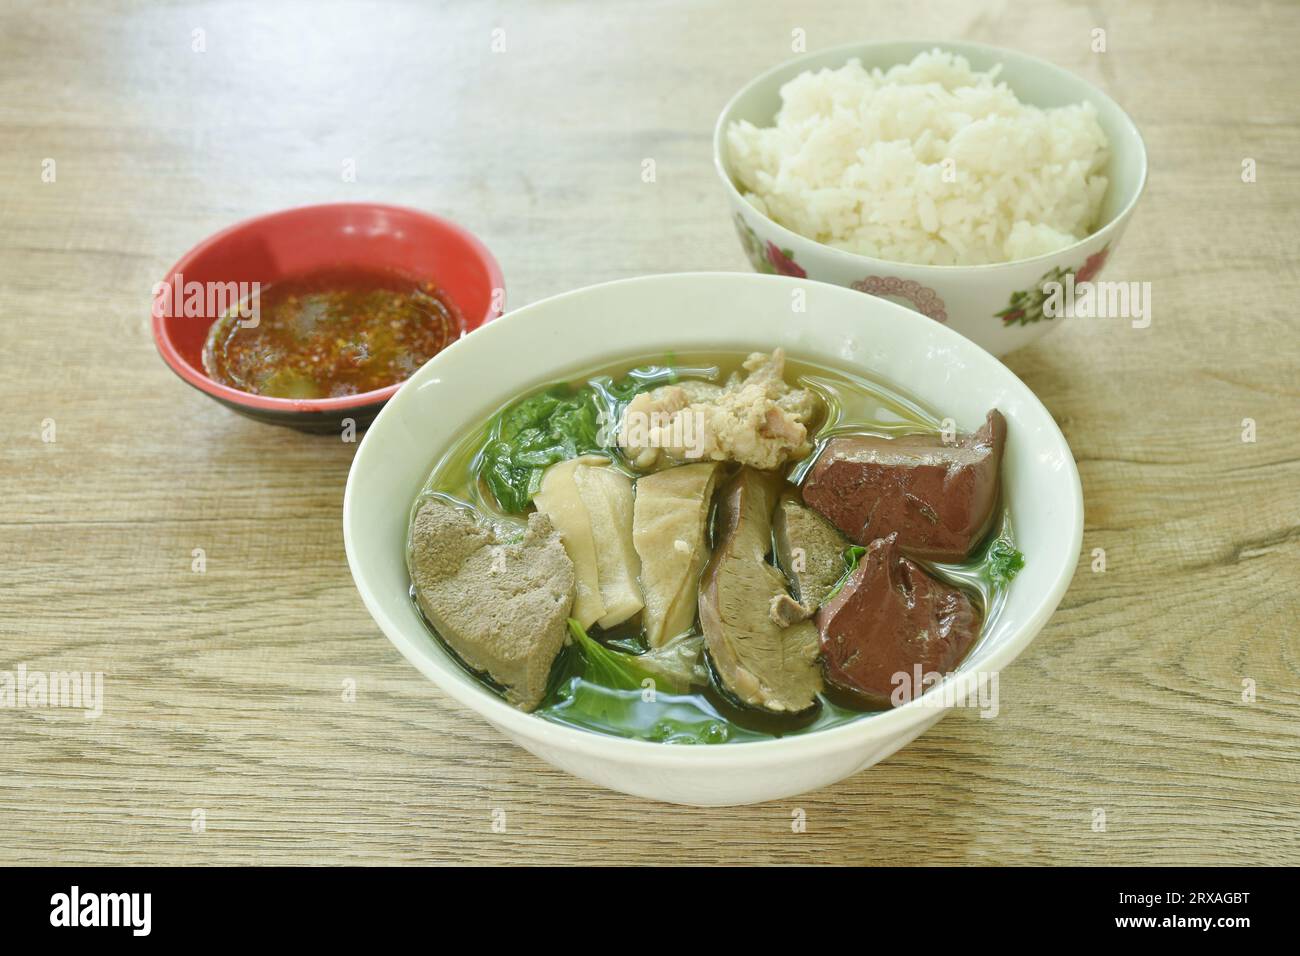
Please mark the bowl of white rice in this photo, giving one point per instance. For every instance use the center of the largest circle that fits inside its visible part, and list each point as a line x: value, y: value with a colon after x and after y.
x: 969, y: 183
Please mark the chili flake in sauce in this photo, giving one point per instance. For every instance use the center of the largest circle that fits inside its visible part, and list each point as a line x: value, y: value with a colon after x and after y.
x: 332, y: 334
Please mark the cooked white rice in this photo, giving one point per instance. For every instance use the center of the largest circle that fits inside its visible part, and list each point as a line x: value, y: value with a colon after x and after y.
x: 857, y: 160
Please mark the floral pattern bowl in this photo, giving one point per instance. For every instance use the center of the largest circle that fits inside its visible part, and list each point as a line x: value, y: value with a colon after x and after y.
x: 999, y: 306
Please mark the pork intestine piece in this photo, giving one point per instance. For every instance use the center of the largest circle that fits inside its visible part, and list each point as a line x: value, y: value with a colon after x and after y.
x: 558, y: 499
x: 670, y: 532
x: 607, y: 496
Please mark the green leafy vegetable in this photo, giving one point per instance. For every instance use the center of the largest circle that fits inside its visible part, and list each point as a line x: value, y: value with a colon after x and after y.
x: 535, y: 433
x: 852, y: 555
x: 556, y: 425
x: 608, y: 668
x: 1004, y: 561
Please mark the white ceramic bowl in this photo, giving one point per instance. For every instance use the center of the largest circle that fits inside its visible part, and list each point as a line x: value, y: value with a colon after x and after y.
x: 967, y: 298
x: 636, y: 319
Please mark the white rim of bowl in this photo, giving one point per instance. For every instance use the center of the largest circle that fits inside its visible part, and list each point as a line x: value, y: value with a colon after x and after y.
x: 852, y: 49
x: 882, y: 724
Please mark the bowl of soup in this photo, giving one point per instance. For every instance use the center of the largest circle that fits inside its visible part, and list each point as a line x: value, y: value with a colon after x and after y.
x: 749, y: 540
x: 313, y: 317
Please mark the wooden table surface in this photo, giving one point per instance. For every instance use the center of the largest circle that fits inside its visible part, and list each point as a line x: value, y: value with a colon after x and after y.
x: 224, y: 690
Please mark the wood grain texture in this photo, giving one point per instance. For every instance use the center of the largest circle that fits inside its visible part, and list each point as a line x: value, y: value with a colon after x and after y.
x: 224, y: 689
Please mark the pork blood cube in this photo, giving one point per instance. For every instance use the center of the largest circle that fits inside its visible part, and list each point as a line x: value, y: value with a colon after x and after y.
x: 940, y: 498
x: 889, y: 617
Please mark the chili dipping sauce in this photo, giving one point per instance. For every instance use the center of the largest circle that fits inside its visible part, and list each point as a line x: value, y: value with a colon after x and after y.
x: 334, y: 333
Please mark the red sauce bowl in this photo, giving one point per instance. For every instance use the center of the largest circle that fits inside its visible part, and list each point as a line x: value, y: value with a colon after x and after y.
x: 312, y: 239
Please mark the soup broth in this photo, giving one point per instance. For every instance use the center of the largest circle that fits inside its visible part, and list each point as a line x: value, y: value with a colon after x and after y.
x: 853, y: 404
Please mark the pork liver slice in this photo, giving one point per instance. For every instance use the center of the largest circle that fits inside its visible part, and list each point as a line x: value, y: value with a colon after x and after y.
x: 500, y: 602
